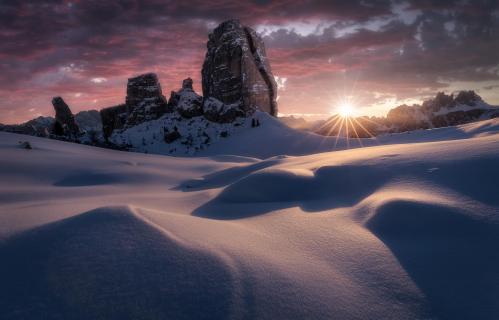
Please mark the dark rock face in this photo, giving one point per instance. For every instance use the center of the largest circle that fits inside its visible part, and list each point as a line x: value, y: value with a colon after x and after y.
x: 113, y: 118
x: 457, y: 118
x: 443, y: 110
x: 236, y: 69
x: 187, y: 84
x: 144, y: 99
x: 407, y: 118
x: 144, y: 102
x: 65, y: 123
x: 216, y: 111
x: 468, y: 98
x: 172, y: 136
x: 186, y: 101
x: 440, y: 101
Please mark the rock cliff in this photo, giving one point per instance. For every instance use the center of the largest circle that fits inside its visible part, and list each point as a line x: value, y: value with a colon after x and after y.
x: 144, y: 99
x: 65, y: 124
x: 236, y: 70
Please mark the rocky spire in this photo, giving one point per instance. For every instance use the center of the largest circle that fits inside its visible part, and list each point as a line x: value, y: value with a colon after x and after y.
x: 65, y: 124
x: 144, y: 99
x: 187, y: 84
x: 236, y: 69
x: 185, y: 101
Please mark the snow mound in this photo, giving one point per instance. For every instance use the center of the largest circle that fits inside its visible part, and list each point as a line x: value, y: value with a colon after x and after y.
x: 109, y: 263
x: 325, y: 181
x: 445, y: 250
x: 341, y: 185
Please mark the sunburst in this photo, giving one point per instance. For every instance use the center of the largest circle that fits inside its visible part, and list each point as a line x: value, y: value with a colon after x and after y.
x: 346, y: 110
x: 344, y: 124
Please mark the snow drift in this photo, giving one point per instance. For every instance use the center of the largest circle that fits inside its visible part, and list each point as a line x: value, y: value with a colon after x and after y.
x: 407, y: 229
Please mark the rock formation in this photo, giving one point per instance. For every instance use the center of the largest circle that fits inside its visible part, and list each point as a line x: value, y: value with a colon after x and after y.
x: 65, y: 124
x: 113, y: 118
x: 144, y: 102
x: 237, y: 80
x: 186, y: 101
x: 217, y: 111
x: 443, y: 110
x: 236, y: 69
x: 187, y: 84
x: 144, y: 99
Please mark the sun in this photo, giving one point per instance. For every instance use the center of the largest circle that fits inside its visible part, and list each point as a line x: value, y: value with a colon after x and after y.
x: 346, y: 110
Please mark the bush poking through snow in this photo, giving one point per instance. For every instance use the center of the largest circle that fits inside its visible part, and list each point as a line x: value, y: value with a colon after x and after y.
x: 171, y: 136
x: 25, y: 145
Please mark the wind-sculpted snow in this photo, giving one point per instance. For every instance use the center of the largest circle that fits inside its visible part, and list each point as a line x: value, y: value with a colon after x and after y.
x: 316, y: 185
x: 447, y: 252
x: 395, y: 231
x: 109, y: 264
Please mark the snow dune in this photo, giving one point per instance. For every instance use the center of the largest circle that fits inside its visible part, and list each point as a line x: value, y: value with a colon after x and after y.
x: 395, y: 231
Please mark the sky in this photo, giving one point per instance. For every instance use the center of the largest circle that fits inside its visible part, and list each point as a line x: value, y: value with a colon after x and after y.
x: 373, y: 55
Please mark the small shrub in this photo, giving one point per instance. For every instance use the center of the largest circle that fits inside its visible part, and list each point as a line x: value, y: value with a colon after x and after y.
x: 25, y: 145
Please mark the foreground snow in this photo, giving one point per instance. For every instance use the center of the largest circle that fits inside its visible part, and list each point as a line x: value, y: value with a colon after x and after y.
x: 396, y: 231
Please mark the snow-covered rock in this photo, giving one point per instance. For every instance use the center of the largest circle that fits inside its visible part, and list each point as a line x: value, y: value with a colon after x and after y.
x: 144, y: 99
x: 174, y: 134
x: 186, y: 101
x: 144, y: 102
x: 89, y: 120
x: 217, y: 111
x: 441, y: 111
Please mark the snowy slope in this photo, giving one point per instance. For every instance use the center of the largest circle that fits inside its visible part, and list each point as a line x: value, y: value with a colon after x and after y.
x: 396, y: 231
x: 200, y: 137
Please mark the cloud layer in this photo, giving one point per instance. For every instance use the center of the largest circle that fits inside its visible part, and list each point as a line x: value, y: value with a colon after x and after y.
x: 375, y: 53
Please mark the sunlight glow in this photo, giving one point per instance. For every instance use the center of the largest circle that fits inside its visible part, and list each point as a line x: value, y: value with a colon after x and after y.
x: 346, y: 110
x: 345, y: 126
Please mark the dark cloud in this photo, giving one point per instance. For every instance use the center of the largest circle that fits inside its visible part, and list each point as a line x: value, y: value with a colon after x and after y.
x: 57, y: 47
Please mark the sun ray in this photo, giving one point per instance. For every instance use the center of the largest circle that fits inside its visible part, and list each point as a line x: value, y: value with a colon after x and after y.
x: 339, y: 132
x: 338, y: 121
x: 373, y: 122
x: 355, y: 131
x: 347, y: 134
x: 327, y: 124
x: 365, y: 129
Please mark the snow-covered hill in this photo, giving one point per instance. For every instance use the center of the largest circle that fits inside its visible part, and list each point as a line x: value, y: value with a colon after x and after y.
x: 395, y: 231
x: 199, y: 137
